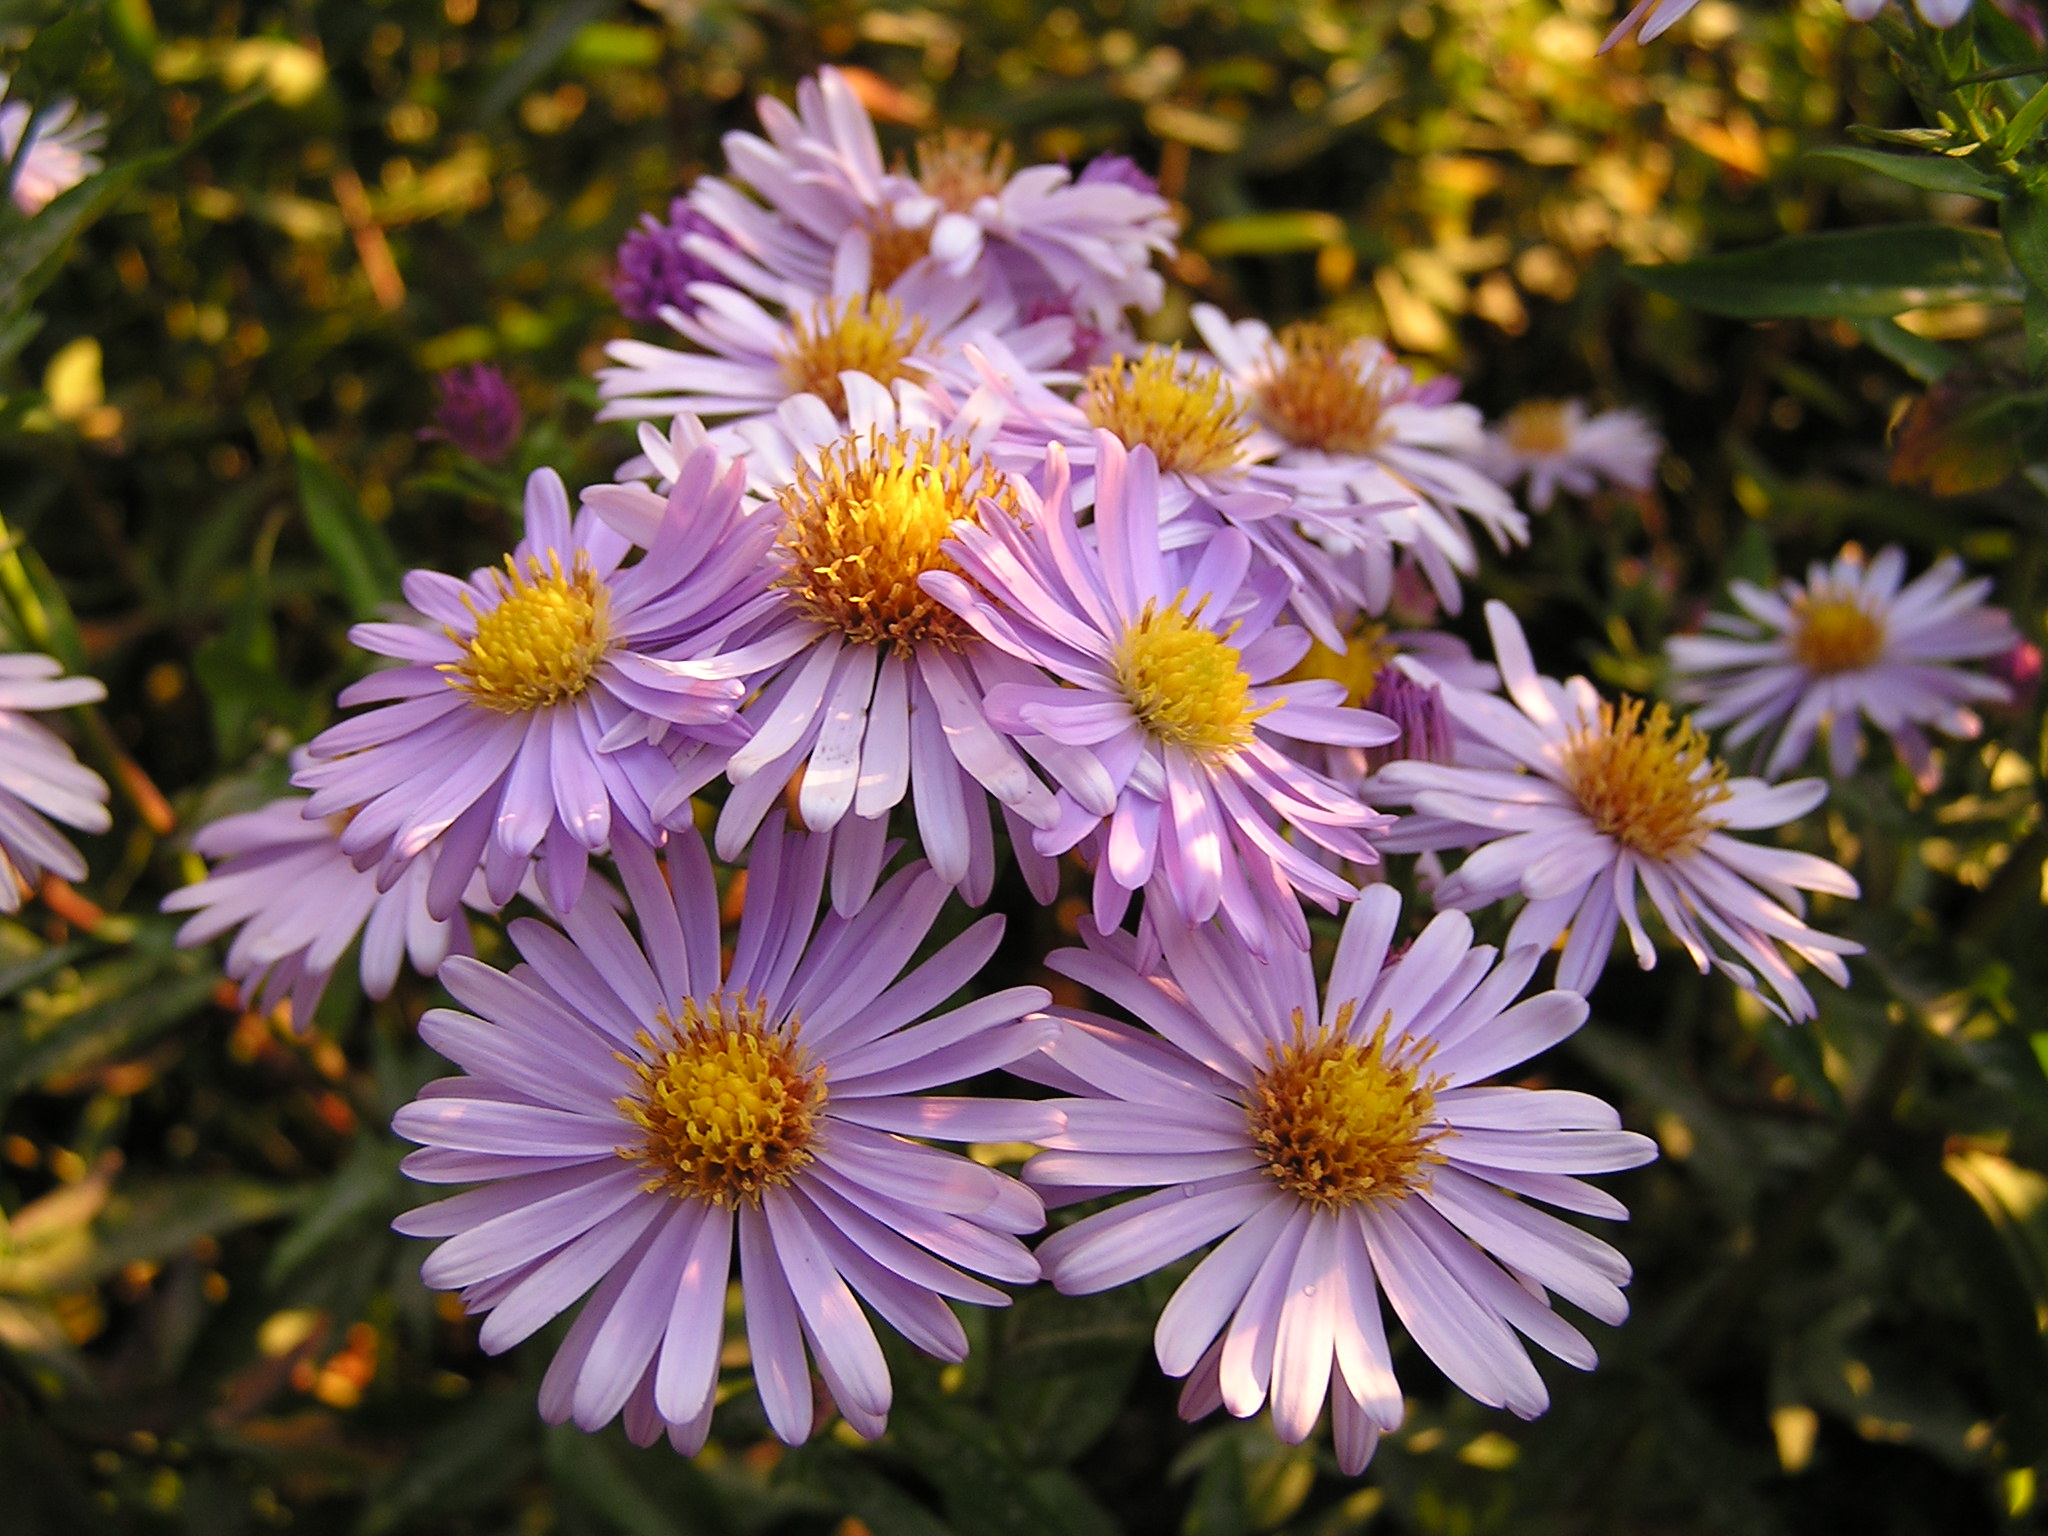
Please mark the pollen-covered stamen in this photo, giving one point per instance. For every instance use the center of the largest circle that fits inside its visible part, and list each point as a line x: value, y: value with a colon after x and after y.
x: 725, y: 1105
x: 1339, y: 1120
x: 1537, y: 429
x: 860, y: 530
x: 1367, y: 652
x: 867, y: 334
x: 1186, y: 683
x: 1327, y: 389
x: 1651, y: 785
x: 961, y: 166
x: 1188, y: 417
x: 1833, y: 632
x: 542, y: 641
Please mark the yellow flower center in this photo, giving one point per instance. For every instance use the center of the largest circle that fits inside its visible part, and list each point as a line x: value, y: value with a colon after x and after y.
x: 1648, y: 784
x: 1328, y: 391
x: 1537, y: 429
x: 1338, y: 1122
x: 1833, y: 632
x: 1188, y: 417
x: 726, y: 1106
x: 860, y: 529
x: 868, y: 334
x: 541, y: 643
x: 1185, y: 682
x: 1367, y: 651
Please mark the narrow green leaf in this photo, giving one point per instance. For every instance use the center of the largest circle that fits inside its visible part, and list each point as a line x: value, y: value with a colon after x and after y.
x: 1935, y: 173
x: 1926, y: 360
x: 2026, y: 124
x: 135, y: 1015
x: 1851, y: 274
x: 56, y: 55
x: 363, y: 1191
x: 584, y: 1467
x: 361, y: 557
x: 546, y: 45
x: 1270, y: 234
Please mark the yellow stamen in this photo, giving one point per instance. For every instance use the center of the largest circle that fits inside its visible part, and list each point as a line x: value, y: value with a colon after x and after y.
x: 1338, y: 1121
x: 1329, y: 389
x: 1537, y: 429
x: 1185, y: 682
x: 1188, y: 417
x: 542, y: 641
x: 1648, y: 784
x: 1833, y: 632
x: 860, y: 529
x: 726, y: 1105
x: 868, y: 334
x: 1367, y: 651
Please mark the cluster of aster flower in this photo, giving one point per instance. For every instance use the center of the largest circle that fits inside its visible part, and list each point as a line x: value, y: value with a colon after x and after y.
x: 921, y: 542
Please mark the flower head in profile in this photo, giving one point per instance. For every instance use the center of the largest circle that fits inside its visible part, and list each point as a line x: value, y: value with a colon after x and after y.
x: 40, y: 780
x: 954, y: 214
x: 1601, y: 804
x: 636, y: 1107
x: 538, y: 705
x: 476, y: 411
x: 1166, y: 679
x: 1554, y: 445
x: 61, y: 148
x: 1350, y: 427
x: 296, y: 902
x: 1854, y: 642
x: 1343, y: 1147
x: 1649, y: 20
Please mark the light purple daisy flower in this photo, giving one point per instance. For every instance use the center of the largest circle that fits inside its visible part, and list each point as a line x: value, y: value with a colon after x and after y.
x: 39, y: 777
x: 1165, y: 678
x: 1851, y: 644
x: 300, y: 902
x: 61, y: 152
x: 1604, y: 800
x: 635, y: 1107
x: 961, y: 216
x: 1343, y: 1148
x: 1352, y: 427
x: 539, y: 705
x: 875, y: 691
x: 1555, y: 445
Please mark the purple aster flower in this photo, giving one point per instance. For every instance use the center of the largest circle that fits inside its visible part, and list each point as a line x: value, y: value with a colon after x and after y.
x: 1579, y: 805
x: 870, y: 690
x: 39, y: 778
x: 1117, y: 171
x: 1854, y: 643
x: 61, y: 151
x: 1555, y: 445
x: 656, y: 265
x: 1343, y: 1148
x: 300, y: 902
x: 477, y: 412
x: 635, y: 1107
x: 1165, y: 672
x: 538, y: 705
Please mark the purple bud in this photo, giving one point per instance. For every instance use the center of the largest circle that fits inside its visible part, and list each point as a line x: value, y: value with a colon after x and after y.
x: 1091, y: 345
x: 477, y: 412
x: 2019, y: 668
x: 1118, y: 171
x: 1418, y: 709
x: 1441, y: 390
x: 655, y: 269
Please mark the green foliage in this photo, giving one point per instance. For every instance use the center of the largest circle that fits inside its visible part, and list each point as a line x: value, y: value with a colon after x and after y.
x: 214, y: 363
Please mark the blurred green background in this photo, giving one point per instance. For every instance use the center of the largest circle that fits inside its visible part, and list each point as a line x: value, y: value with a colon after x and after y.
x: 210, y: 449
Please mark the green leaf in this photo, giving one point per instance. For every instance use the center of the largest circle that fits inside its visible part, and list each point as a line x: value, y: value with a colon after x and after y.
x: 362, y: 1192
x: 140, y: 994
x: 853, y: 1485
x: 545, y: 47
x: 1270, y: 234
x: 1928, y: 361
x: 2024, y: 221
x: 485, y: 1445
x: 1935, y: 173
x: 149, y: 1221
x: 55, y: 58
x: 2014, y: 1354
x: 2026, y: 124
x: 584, y: 1467
x: 1852, y: 274
x: 356, y: 549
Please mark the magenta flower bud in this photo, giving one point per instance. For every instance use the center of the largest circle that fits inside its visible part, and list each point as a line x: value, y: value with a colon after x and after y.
x: 1418, y: 709
x: 655, y: 267
x: 1117, y: 171
x: 478, y: 412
